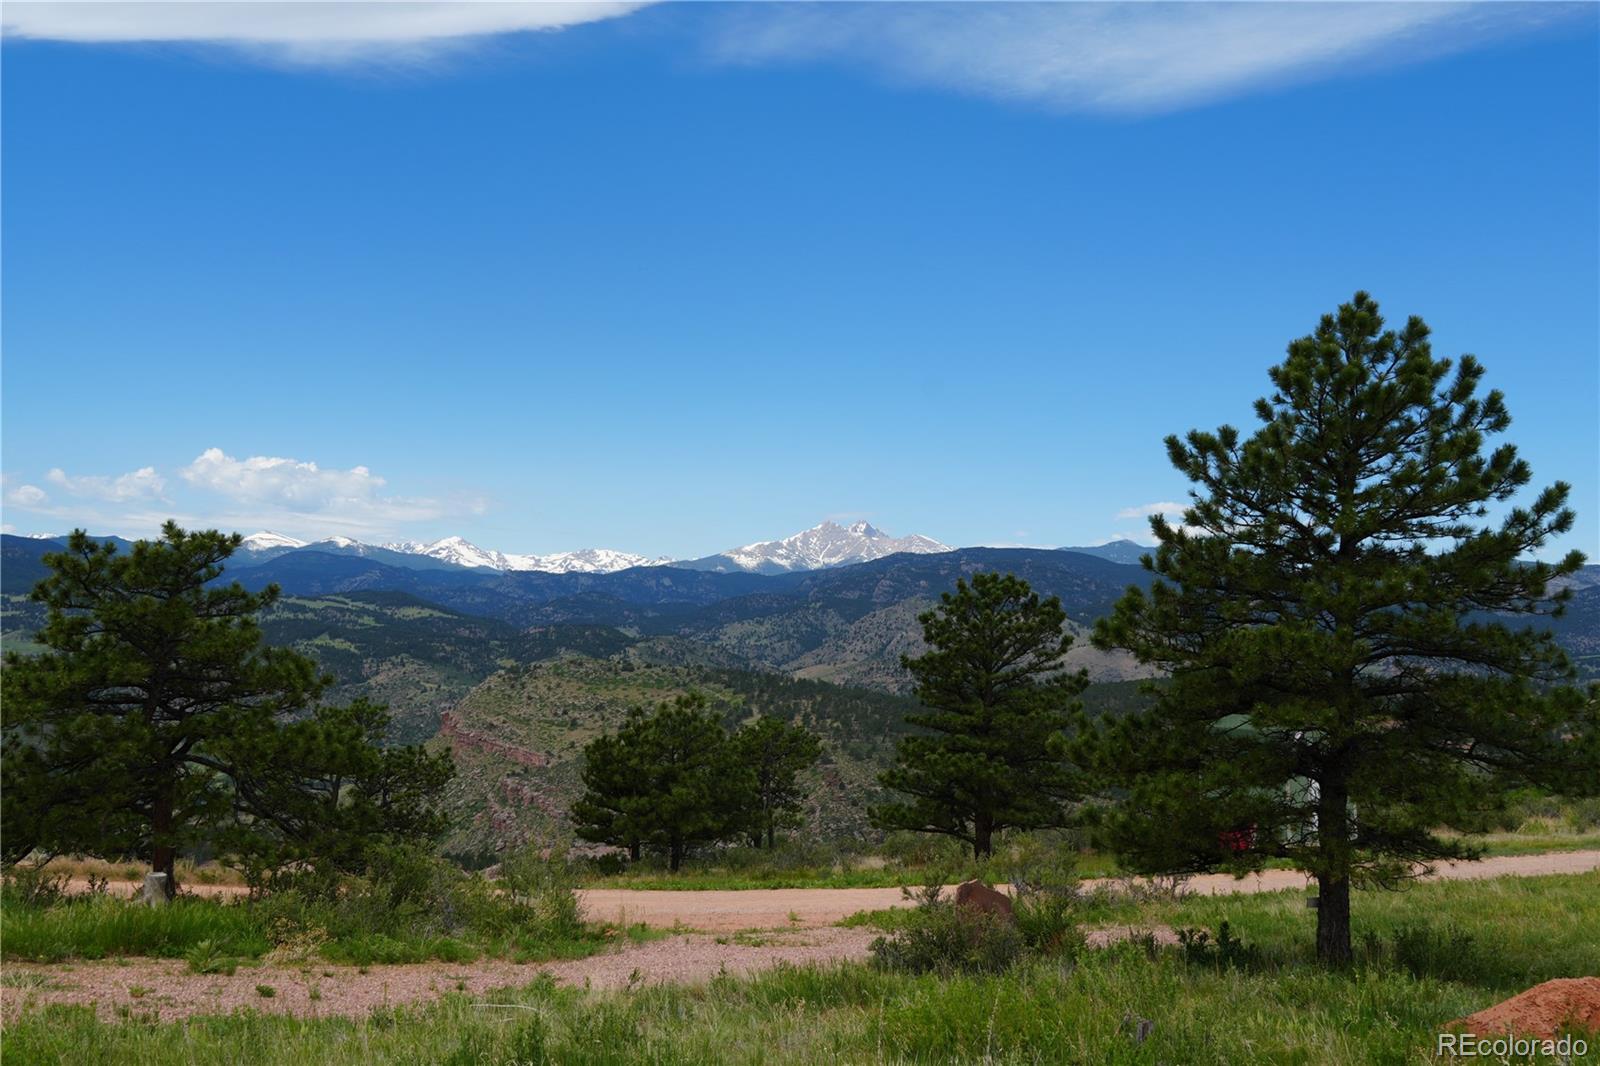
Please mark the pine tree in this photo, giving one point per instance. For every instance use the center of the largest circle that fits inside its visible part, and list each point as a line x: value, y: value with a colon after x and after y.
x: 999, y: 705
x: 1332, y: 614
x: 667, y: 780
x: 616, y: 805
x: 776, y: 753
x: 322, y: 790
x: 150, y: 722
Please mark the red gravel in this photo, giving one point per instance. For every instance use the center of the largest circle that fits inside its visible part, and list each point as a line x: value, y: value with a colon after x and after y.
x: 164, y: 989
x: 1542, y: 1010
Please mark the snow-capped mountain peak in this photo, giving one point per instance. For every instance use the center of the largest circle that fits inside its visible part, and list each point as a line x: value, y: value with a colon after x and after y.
x: 584, y: 560
x: 825, y: 545
x: 462, y: 552
x: 457, y: 550
x: 266, y: 540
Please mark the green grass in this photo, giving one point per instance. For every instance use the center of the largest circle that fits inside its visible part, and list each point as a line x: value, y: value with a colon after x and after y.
x: 1537, y: 843
x: 1281, y: 1008
x: 98, y: 927
x: 215, y: 936
x: 1521, y: 927
x: 710, y: 875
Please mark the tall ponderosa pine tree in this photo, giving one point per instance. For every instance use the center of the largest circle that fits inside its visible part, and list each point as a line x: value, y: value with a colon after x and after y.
x: 616, y: 804
x: 999, y: 706
x: 667, y: 780
x: 1341, y: 685
x: 775, y: 752
x: 156, y: 718
x: 321, y: 790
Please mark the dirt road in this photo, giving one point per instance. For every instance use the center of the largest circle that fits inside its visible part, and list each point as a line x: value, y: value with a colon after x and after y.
x: 719, y: 911
x: 165, y: 990
x: 160, y: 988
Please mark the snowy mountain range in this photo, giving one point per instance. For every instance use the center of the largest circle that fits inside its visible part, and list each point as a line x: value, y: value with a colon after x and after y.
x: 463, y: 552
x: 818, y: 548
x: 823, y: 546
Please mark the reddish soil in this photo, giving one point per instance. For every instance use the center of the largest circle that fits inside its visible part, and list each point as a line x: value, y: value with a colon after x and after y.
x: 164, y: 989
x: 797, y: 924
x: 1543, y: 1010
x: 134, y: 888
x: 465, y: 738
x: 719, y: 910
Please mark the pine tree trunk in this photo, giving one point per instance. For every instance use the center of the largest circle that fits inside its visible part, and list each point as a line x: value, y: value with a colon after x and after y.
x: 1333, y: 920
x: 675, y: 855
x: 633, y: 851
x: 1333, y: 882
x: 982, y: 836
x: 770, y: 835
x: 163, y: 856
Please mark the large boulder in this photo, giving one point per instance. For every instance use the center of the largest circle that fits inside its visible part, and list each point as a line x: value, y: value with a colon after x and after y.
x: 977, y: 896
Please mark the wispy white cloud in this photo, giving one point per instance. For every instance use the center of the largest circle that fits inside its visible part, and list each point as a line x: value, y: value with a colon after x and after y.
x: 289, y: 493
x: 1115, y: 57
x: 262, y: 478
x: 29, y: 496
x: 309, y: 34
x: 1103, y: 57
x: 141, y: 484
x: 1145, y: 510
x: 301, y: 498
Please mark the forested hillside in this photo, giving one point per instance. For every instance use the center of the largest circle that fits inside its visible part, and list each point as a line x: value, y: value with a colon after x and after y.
x: 518, y: 740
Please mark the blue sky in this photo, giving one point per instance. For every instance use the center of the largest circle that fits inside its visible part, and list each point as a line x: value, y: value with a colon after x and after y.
x: 688, y: 276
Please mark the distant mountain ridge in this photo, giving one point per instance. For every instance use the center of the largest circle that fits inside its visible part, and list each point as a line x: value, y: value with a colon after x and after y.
x: 847, y: 623
x: 462, y: 552
x: 818, y: 548
x: 1118, y: 551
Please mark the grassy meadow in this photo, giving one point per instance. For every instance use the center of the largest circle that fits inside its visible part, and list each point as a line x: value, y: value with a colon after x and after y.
x: 1425, y: 956
x: 420, y: 909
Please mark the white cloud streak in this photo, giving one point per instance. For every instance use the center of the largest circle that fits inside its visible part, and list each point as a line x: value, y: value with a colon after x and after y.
x: 1095, y: 57
x: 290, y: 492
x: 303, y: 34
x: 217, y: 490
x: 141, y: 484
x: 1118, y: 57
x: 29, y: 496
x: 1145, y: 510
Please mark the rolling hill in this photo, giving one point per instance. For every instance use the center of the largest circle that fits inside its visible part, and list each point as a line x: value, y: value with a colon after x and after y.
x: 518, y: 740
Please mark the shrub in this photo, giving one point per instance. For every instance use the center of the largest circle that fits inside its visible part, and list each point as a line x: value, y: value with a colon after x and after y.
x: 528, y: 1044
x: 32, y: 886
x: 206, y: 957
x: 410, y: 907
x: 1048, y: 923
x: 1535, y: 811
x: 407, y: 894
x: 941, y: 937
x: 542, y: 893
x: 1423, y: 951
x: 923, y: 850
x: 1222, y: 951
x: 413, y: 906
